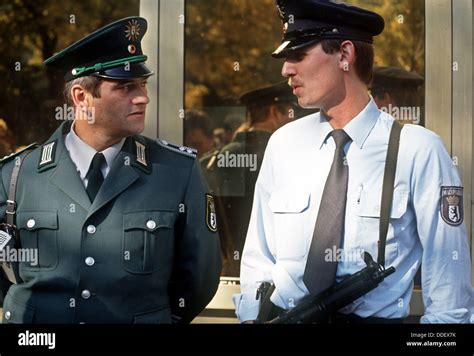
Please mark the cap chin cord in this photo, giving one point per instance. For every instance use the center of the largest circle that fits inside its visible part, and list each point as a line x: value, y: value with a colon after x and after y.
x: 101, y: 66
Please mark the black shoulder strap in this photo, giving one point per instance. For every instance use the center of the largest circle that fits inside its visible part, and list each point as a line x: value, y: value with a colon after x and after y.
x: 11, y: 270
x: 388, y: 187
x: 11, y: 204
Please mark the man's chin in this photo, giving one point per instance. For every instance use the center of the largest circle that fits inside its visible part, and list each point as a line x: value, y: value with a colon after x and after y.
x: 307, y: 105
x: 134, y: 129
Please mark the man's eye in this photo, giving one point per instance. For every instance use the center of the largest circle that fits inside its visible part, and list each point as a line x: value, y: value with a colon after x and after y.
x: 296, y: 56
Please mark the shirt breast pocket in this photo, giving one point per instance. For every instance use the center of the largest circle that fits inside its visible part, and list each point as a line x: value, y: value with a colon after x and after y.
x: 368, y: 213
x: 39, y: 239
x: 290, y: 216
x: 147, y: 240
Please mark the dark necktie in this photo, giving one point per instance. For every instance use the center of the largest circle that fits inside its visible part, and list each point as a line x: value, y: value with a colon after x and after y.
x: 320, y: 272
x: 95, y: 176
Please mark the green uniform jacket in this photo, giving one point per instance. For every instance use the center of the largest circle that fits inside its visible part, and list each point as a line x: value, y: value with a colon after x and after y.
x: 145, y: 251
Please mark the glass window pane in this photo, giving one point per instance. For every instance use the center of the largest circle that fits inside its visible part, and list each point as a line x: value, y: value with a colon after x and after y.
x: 228, y: 48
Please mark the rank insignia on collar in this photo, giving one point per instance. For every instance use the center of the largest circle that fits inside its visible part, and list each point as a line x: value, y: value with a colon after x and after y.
x: 141, y: 153
x: 451, y: 206
x: 211, y: 218
x: 48, y: 154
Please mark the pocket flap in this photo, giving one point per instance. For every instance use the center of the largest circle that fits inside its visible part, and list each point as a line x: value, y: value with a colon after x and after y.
x: 17, y: 313
x: 37, y: 219
x: 148, y: 220
x: 289, y: 202
x: 370, y: 204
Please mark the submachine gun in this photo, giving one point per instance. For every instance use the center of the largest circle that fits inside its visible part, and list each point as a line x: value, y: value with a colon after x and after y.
x: 319, y: 308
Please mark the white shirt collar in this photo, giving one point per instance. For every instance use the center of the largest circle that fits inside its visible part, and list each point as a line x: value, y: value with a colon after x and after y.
x: 82, y: 154
x: 358, y: 128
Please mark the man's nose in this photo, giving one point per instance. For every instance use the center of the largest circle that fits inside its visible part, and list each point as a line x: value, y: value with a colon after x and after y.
x: 141, y: 97
x: 288, y: 70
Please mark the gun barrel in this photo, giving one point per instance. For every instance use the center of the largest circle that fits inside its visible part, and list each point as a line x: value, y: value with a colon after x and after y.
x: 318, y: 308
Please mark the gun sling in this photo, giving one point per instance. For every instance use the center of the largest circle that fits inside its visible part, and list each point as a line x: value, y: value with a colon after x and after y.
x: 385, y: 209
x: 11, y: 269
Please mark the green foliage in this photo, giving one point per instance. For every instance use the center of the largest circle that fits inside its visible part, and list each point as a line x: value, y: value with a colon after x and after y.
x: 228, y: 47
x: 402, y: 44
x: 30, y: 32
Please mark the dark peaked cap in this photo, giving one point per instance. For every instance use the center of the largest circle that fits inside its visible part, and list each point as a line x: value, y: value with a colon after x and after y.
x: 113, y: 51
x: 395, y: 76
x: 307, y: 22
x: 273, y: 94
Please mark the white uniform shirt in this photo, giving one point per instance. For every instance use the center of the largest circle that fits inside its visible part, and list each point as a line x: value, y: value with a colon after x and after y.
x: 82, y: 154
x: 286, y: 203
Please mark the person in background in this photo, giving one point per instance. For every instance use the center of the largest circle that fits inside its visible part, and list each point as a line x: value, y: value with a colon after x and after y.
x: 234, y: 168
x: 397, y: 92
x: 198, y: 132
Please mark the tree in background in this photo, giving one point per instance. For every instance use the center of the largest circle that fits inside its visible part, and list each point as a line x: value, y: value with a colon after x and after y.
x: 402, y: 44
x: 30, y: 32
x: 228, y: 48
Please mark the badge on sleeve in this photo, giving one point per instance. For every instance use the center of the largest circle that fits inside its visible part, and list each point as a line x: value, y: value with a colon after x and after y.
x: 211, y: 219
x: 452, y: 205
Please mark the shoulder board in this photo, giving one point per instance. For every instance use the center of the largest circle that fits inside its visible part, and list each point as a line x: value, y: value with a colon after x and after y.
x: 16, y: 154
x: 187, y: 151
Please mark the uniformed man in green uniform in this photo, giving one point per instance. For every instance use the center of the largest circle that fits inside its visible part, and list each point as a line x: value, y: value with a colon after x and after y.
x: 123, y: 225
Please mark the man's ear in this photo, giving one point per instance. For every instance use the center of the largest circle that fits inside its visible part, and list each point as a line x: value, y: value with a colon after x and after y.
x: 346, y: 55
x: 272, y: 111
x: 80, y: 96
x: 82, y: 103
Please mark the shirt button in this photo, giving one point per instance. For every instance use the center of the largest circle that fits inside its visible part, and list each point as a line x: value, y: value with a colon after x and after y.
x: 8, y: 315
x: 91, y: 229
x: 90, y: 261
x: 150, y: 224
x: 30, y: 223
x: 85, y: 294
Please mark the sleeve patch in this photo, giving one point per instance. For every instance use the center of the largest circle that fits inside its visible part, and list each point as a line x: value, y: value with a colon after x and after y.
x: 451, y: 207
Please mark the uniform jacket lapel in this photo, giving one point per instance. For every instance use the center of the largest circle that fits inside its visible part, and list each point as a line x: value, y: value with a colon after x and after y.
x: 64, y: 174
x: 122, y: 174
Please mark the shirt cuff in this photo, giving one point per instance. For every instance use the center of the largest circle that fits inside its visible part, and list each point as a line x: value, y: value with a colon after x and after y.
x: 246, y: 306
x: 456, y: 316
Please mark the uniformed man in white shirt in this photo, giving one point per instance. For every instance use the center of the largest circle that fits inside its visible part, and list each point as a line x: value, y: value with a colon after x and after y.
x: 317, y: 199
